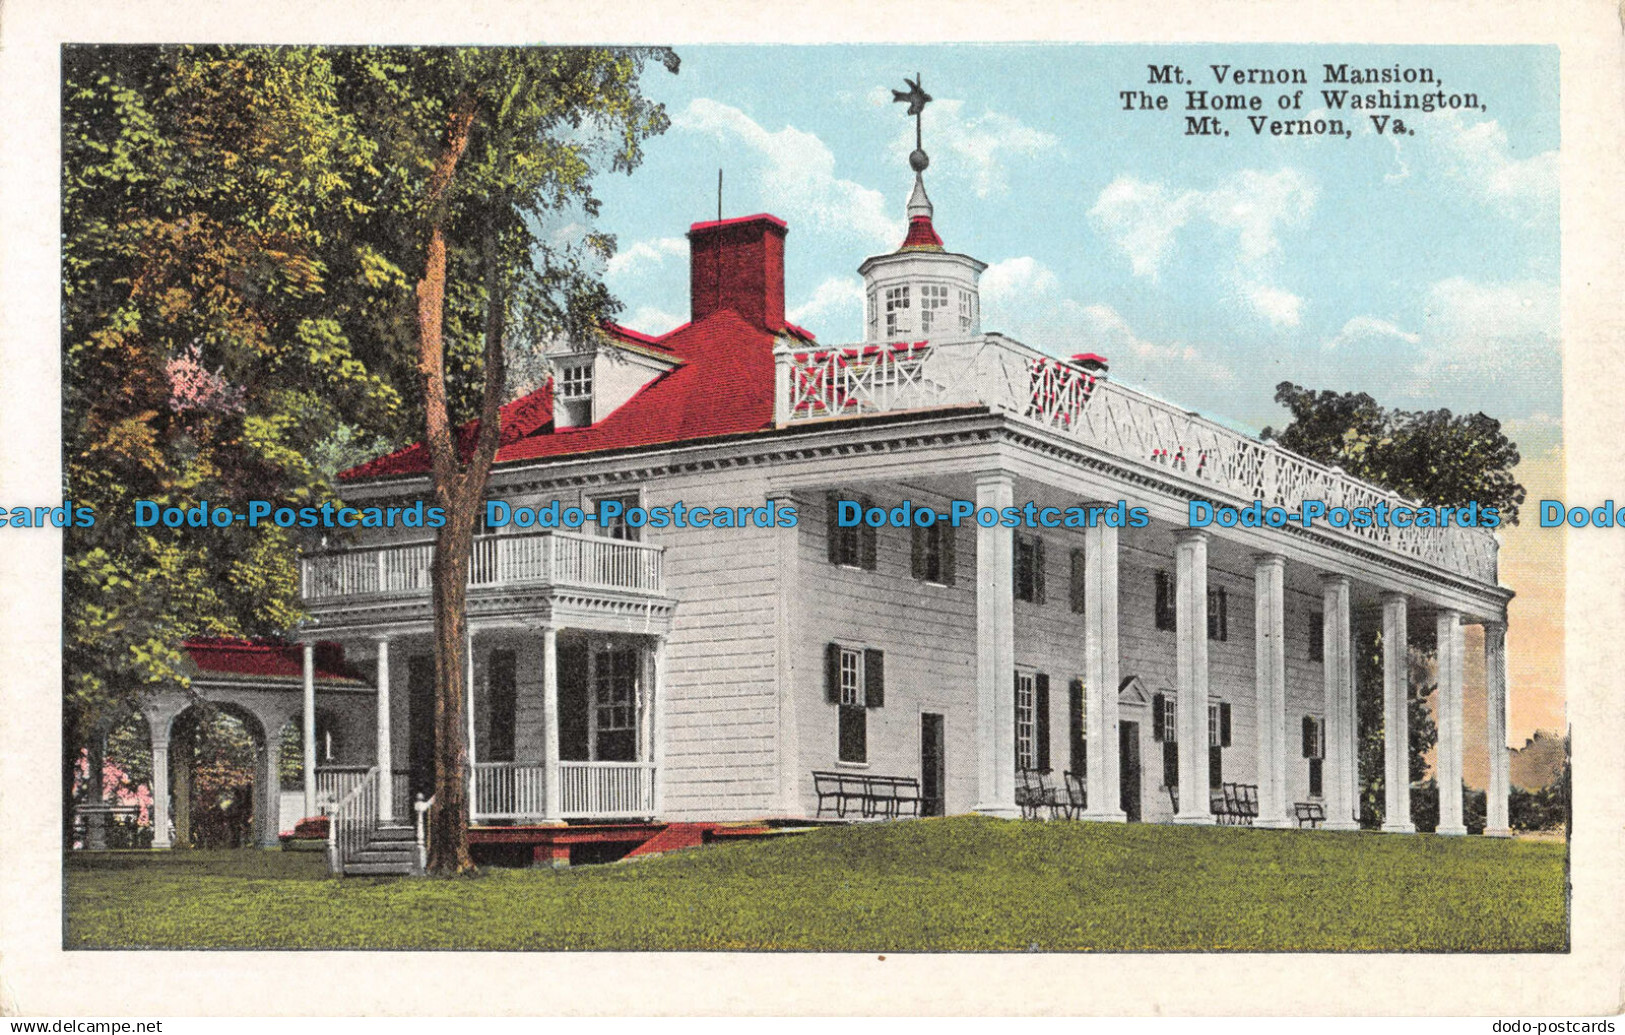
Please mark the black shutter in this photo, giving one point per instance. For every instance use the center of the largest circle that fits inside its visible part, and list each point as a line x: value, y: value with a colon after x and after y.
x: 1224, y: 616
x: 866, y: 538
x: 949, y: 559
x: 1077, y: 582
x: 1038, y: 569
x: 1074, y: 726
x: 1224, y: 723
x: 1015, y: 566
x: 1170, y: 763
x: 1015, y: 727
x: 1041, y: 722
x: 832, y: 673
x: 1215, y: 770
x: 916, y: 557
x: 1308, y: 736
x: 1159, y: 732
x: 1165, y: 600
x: 831, y: 532
x: 874, y: 678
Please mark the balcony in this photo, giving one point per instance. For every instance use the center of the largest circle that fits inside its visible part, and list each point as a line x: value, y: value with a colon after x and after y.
x: 1155, y: 437
x: 563, y: 559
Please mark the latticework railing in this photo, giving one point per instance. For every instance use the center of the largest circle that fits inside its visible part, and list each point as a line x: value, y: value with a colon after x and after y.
x: 1004, y: 375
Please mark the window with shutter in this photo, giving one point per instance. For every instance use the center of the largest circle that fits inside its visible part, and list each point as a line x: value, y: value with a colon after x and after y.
x: 931, y: 547
x: 852, y: 547
x: 1165, y: 601
x: 1024, y: 720
x: 1027, y: 570
x: 852, y: 718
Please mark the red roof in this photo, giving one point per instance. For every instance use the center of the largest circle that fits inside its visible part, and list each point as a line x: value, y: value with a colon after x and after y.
x: 723, y: 385
x: 264, y: 658
x: 922, y: 236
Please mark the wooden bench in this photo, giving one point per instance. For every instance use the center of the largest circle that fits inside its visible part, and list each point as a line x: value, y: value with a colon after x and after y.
x: 1310, y: 813
x: 1077, y: 794
x: 1033, y: 792
x: 882, y: 796
x: 1235, y: 804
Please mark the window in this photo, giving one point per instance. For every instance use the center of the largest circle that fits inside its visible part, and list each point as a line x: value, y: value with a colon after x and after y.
x: 1317, y: 637
x: 1024, y: 720
x: 850, y: 547
x: 1314, y: 749
x: 1165, y: 600
x: 1218, y: 738
x: 967, y: 317
x: 616, y: 527
x: 874, y: 316
x: 501, y: 699
x: 575, y: 380
x: 933, y: 558
x: 572, y: 394
x: 1165, y: 729
x: 614, y: 701
x: 897, y: 321
x: 1218, y: 616
x: 932, y: 298
x: 1029, y: 568
x: 1078, y: 586
x: 854, y: 681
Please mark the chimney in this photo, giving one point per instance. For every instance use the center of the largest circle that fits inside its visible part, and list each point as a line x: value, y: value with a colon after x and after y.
x: 738, y: 264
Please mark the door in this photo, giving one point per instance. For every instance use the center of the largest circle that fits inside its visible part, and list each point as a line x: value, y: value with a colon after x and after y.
x: 933, y: 765
x: 1128, y: 753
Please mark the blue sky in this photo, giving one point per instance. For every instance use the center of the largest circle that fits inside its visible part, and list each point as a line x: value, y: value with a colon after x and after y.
x: 1422, y: 269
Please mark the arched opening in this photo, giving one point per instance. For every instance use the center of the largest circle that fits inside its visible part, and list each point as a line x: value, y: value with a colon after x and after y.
x: 215, y: 758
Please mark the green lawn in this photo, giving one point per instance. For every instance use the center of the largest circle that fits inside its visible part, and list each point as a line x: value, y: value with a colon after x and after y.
x: 960, y: 883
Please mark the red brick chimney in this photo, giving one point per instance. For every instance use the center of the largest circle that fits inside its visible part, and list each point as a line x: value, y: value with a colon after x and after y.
x: 738, y: 264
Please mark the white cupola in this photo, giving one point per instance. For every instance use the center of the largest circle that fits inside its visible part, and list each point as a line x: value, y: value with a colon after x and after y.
x: 921, y: 291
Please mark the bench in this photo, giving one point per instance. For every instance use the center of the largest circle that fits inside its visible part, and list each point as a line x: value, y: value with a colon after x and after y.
x: 874, y: 796
x: 1310, y: 813
x: 1077, y: 794
x: 1235, y: 804
x: 1033, y: 792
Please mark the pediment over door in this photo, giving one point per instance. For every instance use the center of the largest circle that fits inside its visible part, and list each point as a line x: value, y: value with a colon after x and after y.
x: 1133, y: 692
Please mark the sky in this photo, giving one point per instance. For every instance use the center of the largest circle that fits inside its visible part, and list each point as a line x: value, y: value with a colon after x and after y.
x: 1421, y: 268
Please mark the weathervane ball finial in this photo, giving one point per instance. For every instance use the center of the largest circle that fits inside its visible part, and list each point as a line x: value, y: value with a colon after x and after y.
x: 918, y: 160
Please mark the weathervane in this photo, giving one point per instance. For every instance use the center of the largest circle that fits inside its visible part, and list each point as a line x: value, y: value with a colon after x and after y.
x: 916, y: 99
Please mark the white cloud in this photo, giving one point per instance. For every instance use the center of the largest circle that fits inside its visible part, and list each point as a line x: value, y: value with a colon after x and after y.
x: 835, y: 297
x: 1008, y: 283
x: 1363, y: 331
x: 1144, y: 219
x: 1481, y: 156
x: 1493, y: 329
x: 628, y: 261
x: 649, y: 320
x: 975, y: 147
x: 799, y: 175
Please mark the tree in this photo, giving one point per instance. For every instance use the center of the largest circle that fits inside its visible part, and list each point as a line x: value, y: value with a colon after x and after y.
x: 219, y: 317
x: 483, y: 146
x: 1433, y: 456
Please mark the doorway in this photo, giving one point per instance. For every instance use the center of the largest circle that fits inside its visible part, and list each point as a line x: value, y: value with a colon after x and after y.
x: 420, y: 726
x: 1128, y: 753
x: 933, y: 765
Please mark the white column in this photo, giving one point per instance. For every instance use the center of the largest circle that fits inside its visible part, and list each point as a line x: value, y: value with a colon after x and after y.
x: 268, y: 787
x: 1101, y: 674
x: 1190, y: 635
x: 386, y: 766
x: 158, y: 723
x: 309, y: 721
x: 1269, y: 669
x: 550, y: 720
x: 657, y: 725
x: 1495, y: 730
x: 995, y: 654
x: 1447, y: 771
x: 468, y: 703
x: 1396, y: 715
x: 1338, y: 666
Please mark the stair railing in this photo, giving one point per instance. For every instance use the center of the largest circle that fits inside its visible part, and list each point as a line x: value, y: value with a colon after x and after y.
x: 421, y: 806
x: 351, y: 821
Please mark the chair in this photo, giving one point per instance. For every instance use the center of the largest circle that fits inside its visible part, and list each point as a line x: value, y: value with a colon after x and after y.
x: 1077, y: 795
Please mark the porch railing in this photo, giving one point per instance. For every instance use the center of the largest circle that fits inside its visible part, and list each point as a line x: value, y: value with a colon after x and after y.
x: 1002, y: 374
x: 333, y: 782
x: 352, y: 820
x: 548, y: 558
x: 606, y: 790
x: 508, y: 790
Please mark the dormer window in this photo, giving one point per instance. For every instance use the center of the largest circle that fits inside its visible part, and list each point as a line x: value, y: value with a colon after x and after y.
x: 934, y: 297
x: 897, y: 321
x: 574, y: 395
x: 967, y: 318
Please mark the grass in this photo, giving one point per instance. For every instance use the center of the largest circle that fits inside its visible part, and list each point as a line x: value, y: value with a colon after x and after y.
x: 965, y: 883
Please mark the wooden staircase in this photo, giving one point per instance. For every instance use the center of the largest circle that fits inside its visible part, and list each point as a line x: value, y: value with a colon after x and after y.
x: 391, y: 851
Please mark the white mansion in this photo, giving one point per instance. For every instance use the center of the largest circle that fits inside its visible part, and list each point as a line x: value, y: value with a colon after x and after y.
x: 705, y: 673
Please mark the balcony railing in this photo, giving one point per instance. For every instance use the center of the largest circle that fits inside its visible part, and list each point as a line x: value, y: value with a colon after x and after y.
x: 851, y: 381
x: 549, y: 558
x: 587, y: 790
